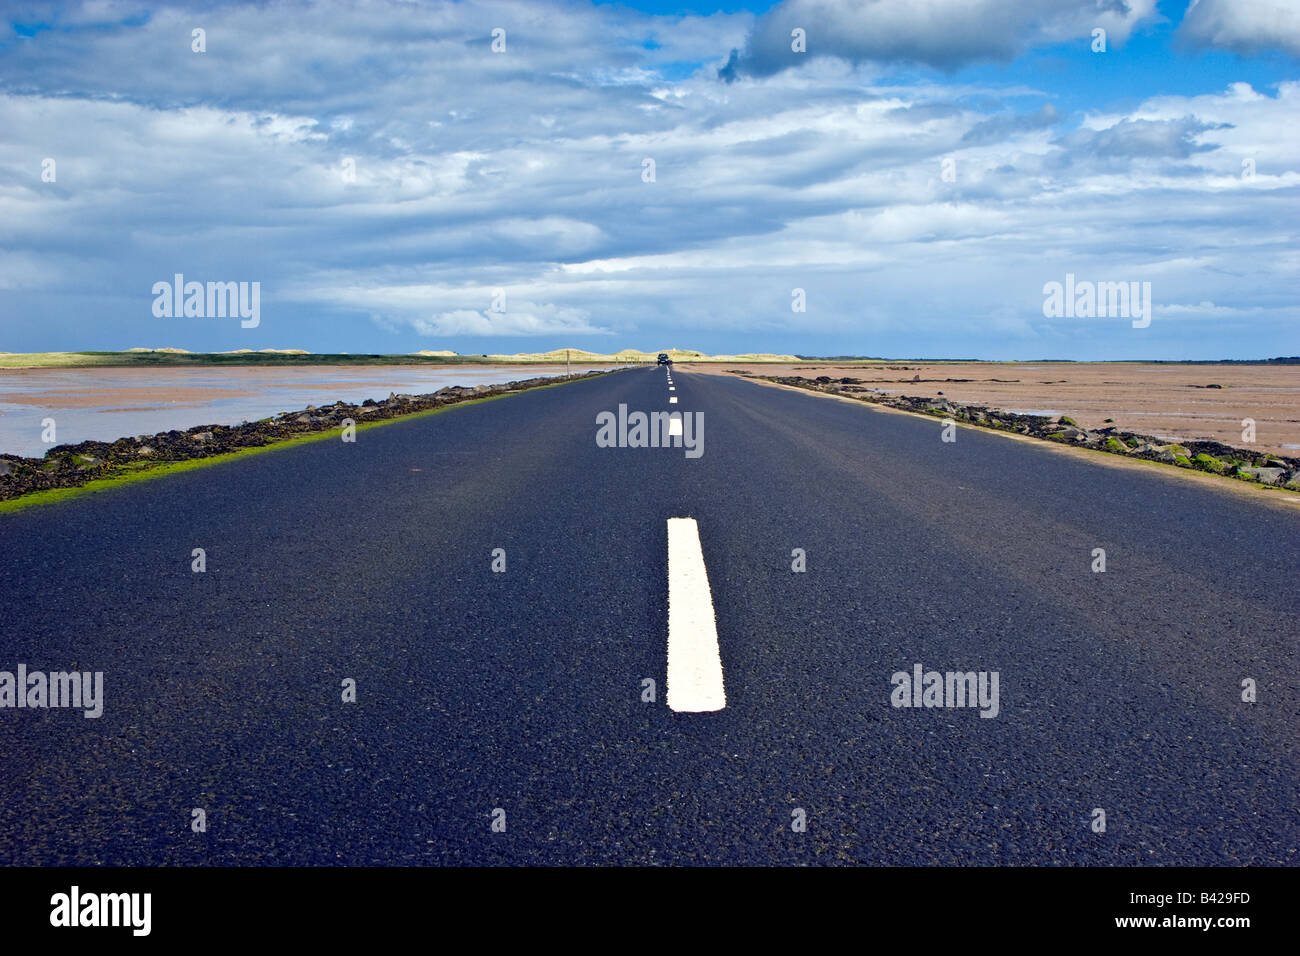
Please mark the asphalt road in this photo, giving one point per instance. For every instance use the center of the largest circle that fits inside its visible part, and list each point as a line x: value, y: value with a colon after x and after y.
x: 522, y: 690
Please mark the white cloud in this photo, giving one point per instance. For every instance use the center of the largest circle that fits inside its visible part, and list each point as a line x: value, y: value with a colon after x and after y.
x: 1245, y: 26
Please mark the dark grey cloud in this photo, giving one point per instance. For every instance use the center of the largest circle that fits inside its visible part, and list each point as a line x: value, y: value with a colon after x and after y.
x: 1138, y: 139
x: 1003, y: 126
x: 944, y: 34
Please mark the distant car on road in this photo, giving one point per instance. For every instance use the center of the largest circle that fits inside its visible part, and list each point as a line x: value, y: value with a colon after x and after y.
x: 664, y: 359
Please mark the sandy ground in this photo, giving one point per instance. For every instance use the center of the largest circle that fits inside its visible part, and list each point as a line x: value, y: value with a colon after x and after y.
x: 1166, y: 401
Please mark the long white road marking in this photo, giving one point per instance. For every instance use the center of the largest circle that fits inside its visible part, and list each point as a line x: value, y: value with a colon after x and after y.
x: 694, y: 663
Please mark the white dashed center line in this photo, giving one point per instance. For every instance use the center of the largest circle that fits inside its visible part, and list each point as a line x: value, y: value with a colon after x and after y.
x: 672, y: 400
x: 694, y: 663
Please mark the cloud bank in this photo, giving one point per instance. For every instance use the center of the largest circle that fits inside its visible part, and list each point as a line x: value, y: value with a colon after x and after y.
x: 384, y: 173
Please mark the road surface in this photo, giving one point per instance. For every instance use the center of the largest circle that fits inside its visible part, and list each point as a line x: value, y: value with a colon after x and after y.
x: 515, y: 698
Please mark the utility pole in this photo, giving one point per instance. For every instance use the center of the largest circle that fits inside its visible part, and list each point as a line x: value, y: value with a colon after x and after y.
x: 566, y: 363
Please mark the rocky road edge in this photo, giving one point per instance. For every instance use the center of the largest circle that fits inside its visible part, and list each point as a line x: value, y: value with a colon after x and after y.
x: 1207, y: 456
x: 70, y: 466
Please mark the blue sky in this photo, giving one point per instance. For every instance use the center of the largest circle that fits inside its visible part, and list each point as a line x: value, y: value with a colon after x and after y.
x: 920, y: 171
